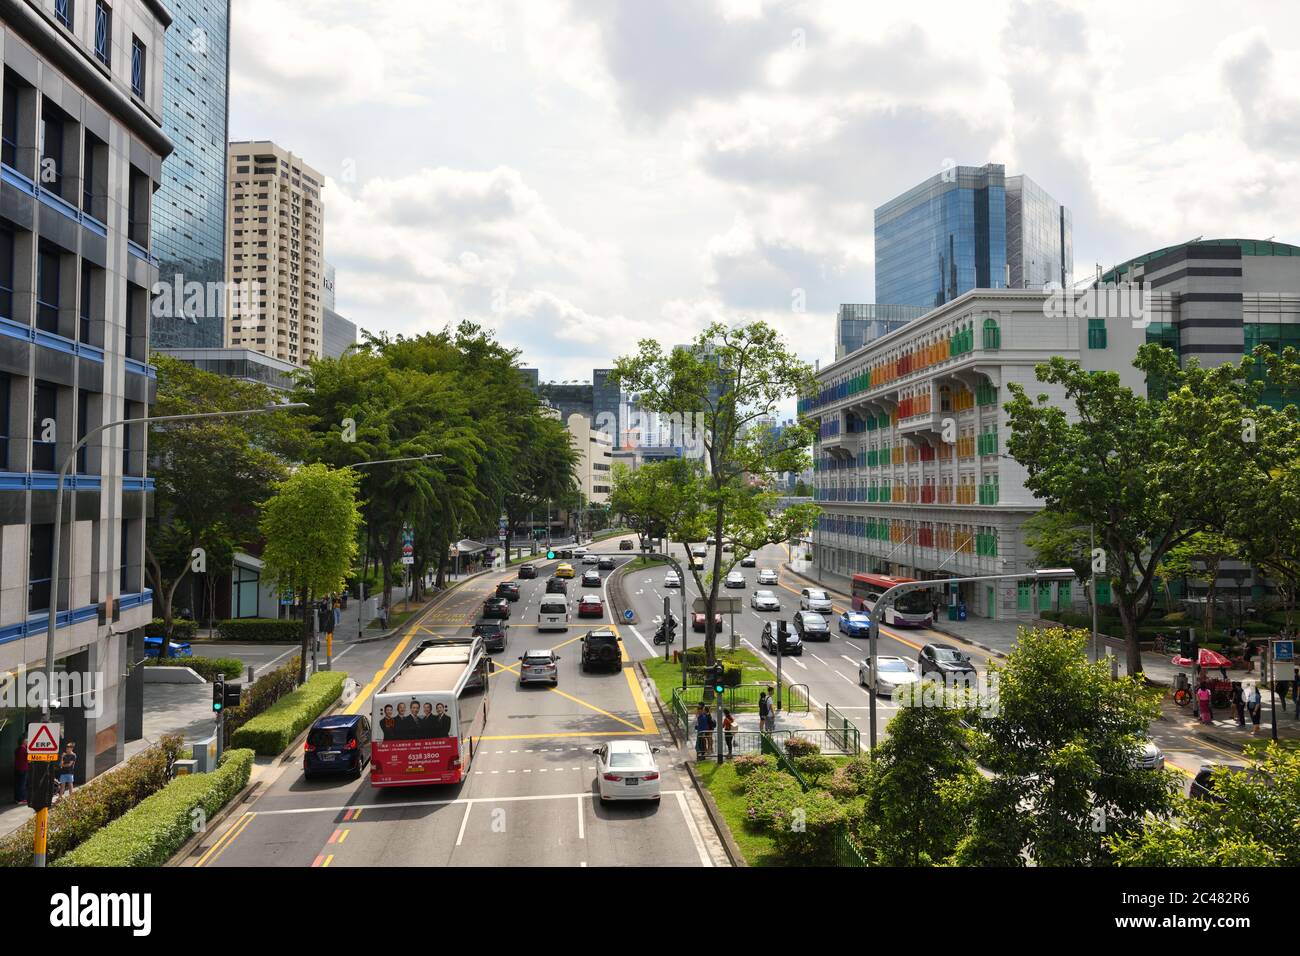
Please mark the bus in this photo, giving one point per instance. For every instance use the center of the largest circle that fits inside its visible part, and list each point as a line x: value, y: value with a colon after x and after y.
x: 911, y: 609
x: 428, y: 716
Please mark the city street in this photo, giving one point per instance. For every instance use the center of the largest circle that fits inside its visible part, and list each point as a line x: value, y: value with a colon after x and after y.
x: 530, y: 795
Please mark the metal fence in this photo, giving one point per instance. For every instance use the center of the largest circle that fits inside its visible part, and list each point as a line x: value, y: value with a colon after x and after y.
x: 838, y: 741
x: 742, y: 698
x: 846, y: 851
x: 842, y: 732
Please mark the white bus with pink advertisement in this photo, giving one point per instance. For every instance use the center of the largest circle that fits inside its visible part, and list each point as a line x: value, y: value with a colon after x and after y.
x: 428, y: 716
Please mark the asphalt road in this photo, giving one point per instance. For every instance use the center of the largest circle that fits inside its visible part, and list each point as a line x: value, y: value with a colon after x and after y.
x: 530, y: 794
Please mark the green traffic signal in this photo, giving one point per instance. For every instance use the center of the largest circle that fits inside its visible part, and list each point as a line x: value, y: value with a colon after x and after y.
x: 550, y: 555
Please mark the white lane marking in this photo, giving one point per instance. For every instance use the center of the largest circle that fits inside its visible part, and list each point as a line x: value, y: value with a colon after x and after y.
x: 818, y: 659
x: 463, y: 820
x: 582, y: 808
x: 644, y: 642
x: 694, y: 830
x: 801, y: 664
x: 849, y: 659
x: 842, y: 676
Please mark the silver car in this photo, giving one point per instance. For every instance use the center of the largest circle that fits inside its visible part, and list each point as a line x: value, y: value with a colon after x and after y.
x: 734, y: 580
x: 813, y: 599
x: 767, y: 576
x: 764, y: 601
x: 892, y: 673
x: 539, y: 665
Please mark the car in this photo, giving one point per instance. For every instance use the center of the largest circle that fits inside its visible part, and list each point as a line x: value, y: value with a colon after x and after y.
x: 671, y: 580
x: 790, y: 642
x: 579, y: 552
x: 496, y: 607
x: 600, y: 648
x: 625, y: 545
x: 767, y: 576
x: 539, y: 665
x: 527, y: 571
x: 855, y: 624
x: 1148, y: 756
x: 699, y: 551
x: 508, y: 590
x: 591, y: 579
x: 815, y: 599
x: 812, y: 626
x: 564, y: 571
x: 493, y: 634
x: 627, y: 770
x: 728, y: 546
x: 153, y: 648
x: 947, y: 663
x: 711, y: 541
x: 734, y: 580
x: 606, y: 562
x: 891, y: 674
x: 591, y: 558
x: 337, y: 744
x: 749, y: 561
x: 698, y: 621
x: 556, y: 585
x: 563, y: 553
x: 590, y: 605
x: 764, y: 601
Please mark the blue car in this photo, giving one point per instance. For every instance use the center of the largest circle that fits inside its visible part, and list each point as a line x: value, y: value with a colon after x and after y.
x: 855, y: 624
x: 337, y: 744
x: 153, y: 648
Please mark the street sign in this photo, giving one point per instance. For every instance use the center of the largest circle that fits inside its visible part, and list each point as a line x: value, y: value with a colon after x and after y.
x: 1283, y: 652
x: 408, y: 559
x: 628, y: 615
x: 724, y: 605
x: 43, y: 741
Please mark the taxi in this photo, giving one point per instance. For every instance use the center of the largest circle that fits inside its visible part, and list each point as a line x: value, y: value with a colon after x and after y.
x: 564, y: 571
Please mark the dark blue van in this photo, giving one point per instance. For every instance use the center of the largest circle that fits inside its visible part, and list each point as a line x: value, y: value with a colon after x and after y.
x: 337, y: 744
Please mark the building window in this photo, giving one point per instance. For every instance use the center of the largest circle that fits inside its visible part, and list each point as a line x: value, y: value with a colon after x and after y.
x: 51, y: 174
x: 45, y: 415
x: 104, y: 32
x: 5, y: 383
x: 47, y: 290
x: 40, y: 555
x: 6, y: 273
x: 992, y: 334
x: 63, y: 12
x: 83, y: 310
x: 137, y: 67
x: 9, y: 128
x: 131, y: 296
x: 1096, y: 333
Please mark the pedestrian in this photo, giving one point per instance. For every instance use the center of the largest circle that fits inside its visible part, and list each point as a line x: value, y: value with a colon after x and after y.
x: 701, y: 730
x: 713, y: 725
x: 764, y: 705
x: 1238, y: 703
x: 1295, y: 693
x: 67, y: 768
x: 1253, y: 708
x: 1203, y: 701
x: 771, y: 710
x: 20, y: 771
x: 1283, y: 692
x: 729, y: 730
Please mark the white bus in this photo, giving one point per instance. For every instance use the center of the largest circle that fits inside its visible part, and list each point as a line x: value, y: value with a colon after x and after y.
x: 428, y: 716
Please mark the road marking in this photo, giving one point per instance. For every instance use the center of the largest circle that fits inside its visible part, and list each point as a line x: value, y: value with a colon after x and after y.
x: 440, y: 803
x: 571, y: 733
x: 648, y: 723
x: 227, y: 838
x: 842, y: 675
x: 643, y: 641
x: 582, y: 810
x: 818, y: 659
x: 849, y: 659
x: 380, y: 674
x: 463, y: 820
x: 694, y: 830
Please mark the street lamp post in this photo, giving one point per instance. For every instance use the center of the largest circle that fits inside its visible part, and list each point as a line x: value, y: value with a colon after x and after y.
x: 887, y: 599
x: 42, y: 816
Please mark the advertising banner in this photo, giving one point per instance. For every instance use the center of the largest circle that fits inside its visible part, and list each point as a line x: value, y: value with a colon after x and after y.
x: 413, y: 742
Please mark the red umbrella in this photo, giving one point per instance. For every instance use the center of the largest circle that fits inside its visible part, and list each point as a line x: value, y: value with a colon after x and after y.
x: 1205, y: 658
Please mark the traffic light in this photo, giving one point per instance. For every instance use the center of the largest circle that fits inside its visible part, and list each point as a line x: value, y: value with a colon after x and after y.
x: 233, y: 696
x: 718, y: 671
x: 550, y: 555
x: 218, y: 694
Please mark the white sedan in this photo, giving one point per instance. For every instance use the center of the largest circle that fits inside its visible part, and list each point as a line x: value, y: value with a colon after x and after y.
x: 591, y: 557
x: 734, y: 580
x: 627, y: 770
x: 767, y: 576
x: 764, y: 601
x: 894, y: 672
x: 671, y: 580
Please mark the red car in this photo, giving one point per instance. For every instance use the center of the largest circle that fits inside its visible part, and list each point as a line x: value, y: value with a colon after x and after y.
x: 697, y: 622
x: 591, y: 606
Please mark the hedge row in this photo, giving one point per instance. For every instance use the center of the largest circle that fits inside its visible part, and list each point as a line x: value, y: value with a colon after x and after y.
x: 151, y: 833
x: 75, y: 818
x: 182, y: 630
x: 264, y: 692
x: 271, y: 732
x: 253, y: 629
x: 206, y: 667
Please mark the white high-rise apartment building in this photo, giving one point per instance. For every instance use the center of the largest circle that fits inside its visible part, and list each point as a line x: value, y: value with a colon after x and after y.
x: 274, y: 252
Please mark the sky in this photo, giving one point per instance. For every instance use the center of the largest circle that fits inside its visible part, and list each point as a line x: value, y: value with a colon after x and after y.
x: 578, y: 176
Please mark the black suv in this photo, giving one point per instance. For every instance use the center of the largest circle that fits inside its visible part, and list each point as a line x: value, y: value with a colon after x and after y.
x: 493, y: 634
x: 600, y: 649
x: 496, y: 607
x: 606, y: 563
x: 508, y: 590
x: 556, y: 585
x: 527, y: 571
x: 947, y: 663
x: 812, y: 626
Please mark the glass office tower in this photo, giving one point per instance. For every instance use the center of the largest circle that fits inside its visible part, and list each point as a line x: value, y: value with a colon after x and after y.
x: 1040, y: 250
x: 189, y: 208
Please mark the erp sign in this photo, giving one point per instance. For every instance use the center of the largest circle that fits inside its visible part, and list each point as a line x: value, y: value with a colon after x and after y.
x: 1284, y: 652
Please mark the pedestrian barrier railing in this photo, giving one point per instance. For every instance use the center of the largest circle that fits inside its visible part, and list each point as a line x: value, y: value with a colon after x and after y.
x: 841, y: 731
x: 771, y: 744
x: 846, y: 851
x: 741, y: 698
x: 838, y: 741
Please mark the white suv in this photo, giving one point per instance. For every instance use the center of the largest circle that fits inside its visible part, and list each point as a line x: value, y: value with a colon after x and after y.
x: 671, y: 580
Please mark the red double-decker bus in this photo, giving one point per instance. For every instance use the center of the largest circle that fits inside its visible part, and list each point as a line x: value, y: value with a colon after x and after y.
x: 911, y: 609
x: 428, y: 716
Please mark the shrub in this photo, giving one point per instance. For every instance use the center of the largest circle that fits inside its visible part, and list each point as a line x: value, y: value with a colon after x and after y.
x: 152, y: 832
x: 182, y: 630
x: 748, y: 763
x: 206, y: 667
x: 769, y: 795
x: 811, y: 824
x: 253, y: 629
x: 271, y: 732
x: 813, y: 766
x: 801, y: 747
x: 266, y: 690
x: 76, y: 818
x: 852, y: 778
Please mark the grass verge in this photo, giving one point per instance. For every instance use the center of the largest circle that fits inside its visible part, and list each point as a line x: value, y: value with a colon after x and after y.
x: 724, y: 785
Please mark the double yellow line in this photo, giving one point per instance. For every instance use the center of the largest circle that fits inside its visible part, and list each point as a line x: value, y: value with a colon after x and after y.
x: 227, y: 838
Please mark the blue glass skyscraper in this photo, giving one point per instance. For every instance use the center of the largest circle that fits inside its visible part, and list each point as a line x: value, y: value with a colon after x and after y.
x: 189, y: 208
x: 968, y: 227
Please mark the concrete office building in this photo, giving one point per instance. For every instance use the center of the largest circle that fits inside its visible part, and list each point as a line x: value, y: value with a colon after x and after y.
x: 81, y: 152
x: 274, y: 247
x: 189, y: 209
x: 595, y: 456
x: 970, y: 227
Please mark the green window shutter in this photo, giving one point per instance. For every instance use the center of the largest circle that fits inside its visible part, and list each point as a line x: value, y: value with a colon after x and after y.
x: 1096, y: 333
x: 992, y: 334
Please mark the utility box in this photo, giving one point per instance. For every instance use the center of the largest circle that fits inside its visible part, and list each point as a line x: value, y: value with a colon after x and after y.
x: 183, y: 768
x: 206, y: 754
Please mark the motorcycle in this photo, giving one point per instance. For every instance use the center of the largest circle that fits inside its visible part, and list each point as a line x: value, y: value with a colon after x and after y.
x: 666, y: 632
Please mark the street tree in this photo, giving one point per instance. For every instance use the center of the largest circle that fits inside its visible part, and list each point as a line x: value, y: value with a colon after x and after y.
x: 1059, y: 738
x: 1200, y: 556
x: 310, y: 524
x: 725, y: 384
x: 656, y: 497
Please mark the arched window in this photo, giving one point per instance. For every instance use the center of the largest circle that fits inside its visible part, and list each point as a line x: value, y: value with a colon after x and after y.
x: 992, y: 334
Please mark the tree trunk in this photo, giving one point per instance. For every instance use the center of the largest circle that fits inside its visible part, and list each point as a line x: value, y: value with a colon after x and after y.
x: 306, y: 634
x: 1128, y: 618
